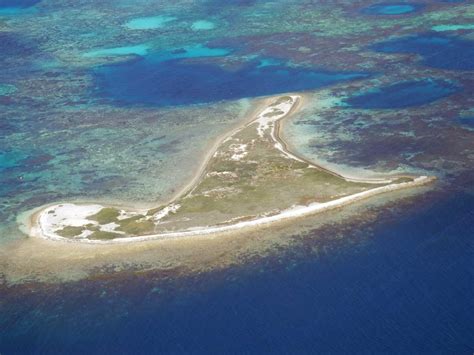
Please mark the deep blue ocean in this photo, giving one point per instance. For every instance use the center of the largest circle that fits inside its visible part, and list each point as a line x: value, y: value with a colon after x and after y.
x: 407, y: 289
x: 93, y: 109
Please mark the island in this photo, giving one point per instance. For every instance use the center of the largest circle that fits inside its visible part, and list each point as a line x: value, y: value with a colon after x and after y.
x: 250, y: 178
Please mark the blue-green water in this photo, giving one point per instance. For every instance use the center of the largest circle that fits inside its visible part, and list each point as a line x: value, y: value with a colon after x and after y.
x: 141, y: 49
x: 203, y: 25
x: 383, y: 294
x: 147, y: 81
x: 118, y: 101
x: 444, y: 28
x: 188, y: 51
x: 13, y: 7
x: 18, y: 3
x: 6, y: 89
x: 149, y: 23
x: 466, y: 121
x: 391, y: 9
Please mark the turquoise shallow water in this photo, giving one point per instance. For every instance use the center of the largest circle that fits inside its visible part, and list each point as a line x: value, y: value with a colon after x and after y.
x: 117, y: 101
x: 454, y: 27
x: 141, y: 49
x: 6, y: 90
x: 391, y: 9
x: 203, y: 25
x: 188, y: 51
x: 149, y: 23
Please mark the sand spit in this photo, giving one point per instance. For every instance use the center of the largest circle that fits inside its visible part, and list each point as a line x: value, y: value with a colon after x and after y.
x: 48, y: 221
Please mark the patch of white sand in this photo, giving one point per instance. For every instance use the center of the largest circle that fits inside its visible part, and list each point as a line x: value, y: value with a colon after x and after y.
x: 267, y: 118
x: 57, y: 217
x: 109, y: 227
x: 239, y: 151
x: 166, y: 211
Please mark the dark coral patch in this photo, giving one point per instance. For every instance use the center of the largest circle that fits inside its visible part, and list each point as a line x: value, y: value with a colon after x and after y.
x: 404, y: 94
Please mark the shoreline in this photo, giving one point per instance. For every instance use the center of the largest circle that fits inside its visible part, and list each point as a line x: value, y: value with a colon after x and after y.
x: 28, y: 219
x: 285, y: 215
x: 354, y: 175
x: 201, y: 170
x: 36, y: 220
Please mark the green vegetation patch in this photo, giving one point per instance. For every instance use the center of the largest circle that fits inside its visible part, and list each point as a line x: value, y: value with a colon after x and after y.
x: 403, y: 179
x: 281, y: 100
x: 105, y: 215
x: 136, y: 225
x: 70, y: 231
x: 103, y: 235
x: 198, y: 203
x: 273, y: 113
x: 296, y: 165
x: 92, y: 227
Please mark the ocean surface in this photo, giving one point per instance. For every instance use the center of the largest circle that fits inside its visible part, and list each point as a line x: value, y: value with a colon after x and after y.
x: 117, y: 101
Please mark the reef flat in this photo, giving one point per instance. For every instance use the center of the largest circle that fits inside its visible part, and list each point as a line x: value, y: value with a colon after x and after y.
x: 250, y: 179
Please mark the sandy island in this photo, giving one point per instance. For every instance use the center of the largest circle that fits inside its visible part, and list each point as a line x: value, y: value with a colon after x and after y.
x: 224, y: 195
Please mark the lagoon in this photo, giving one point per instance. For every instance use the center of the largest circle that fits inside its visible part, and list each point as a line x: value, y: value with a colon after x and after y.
x: 391, y: 9
x: 174, y: 82
x: 438, y: 51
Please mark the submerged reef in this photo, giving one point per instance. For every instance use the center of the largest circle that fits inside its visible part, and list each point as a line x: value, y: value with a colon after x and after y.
x: 101, y: 101
x: 91, y: 137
